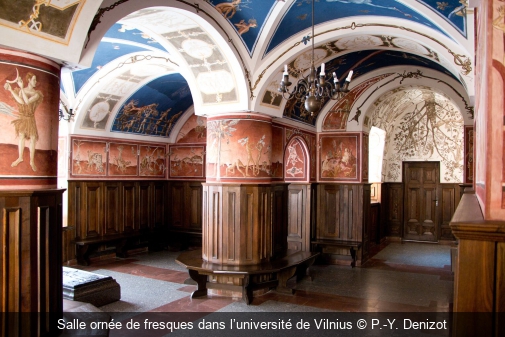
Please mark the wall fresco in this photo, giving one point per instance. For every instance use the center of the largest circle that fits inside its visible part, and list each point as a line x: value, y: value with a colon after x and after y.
x: 187, y: 161
x: 339, y: 159
x: 89, y: 158
x: 152, y: 161
x: 277, y: 152
x: 113, y: 159
x: 28, y: 112
x: 193, y: 131
x: 337, y: 117
x: 420, y: 125
x: 296, y: 157
x: 239, y: 149
x: 123, y: 159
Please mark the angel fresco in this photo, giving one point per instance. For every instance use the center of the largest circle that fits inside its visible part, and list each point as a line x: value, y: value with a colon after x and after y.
x: 244, y: 27
x: 228, y: 9
x: 27, y: 99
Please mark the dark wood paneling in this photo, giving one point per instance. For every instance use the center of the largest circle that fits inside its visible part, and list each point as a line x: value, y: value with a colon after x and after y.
x: 299, y: 217
x: 279, y: 218
x: 393, y: 208
x: 450, y: 196
x: 237, y: 224
x: 195, y: 205
x: 186, y: 206
x: 129, y: 207
x: 92, y: 211
x: 159, y: 202
x: 102, y: 209
x: 343, y: 213
x: 31, y: 261
x: 112, y: 209
x: 145, y: 207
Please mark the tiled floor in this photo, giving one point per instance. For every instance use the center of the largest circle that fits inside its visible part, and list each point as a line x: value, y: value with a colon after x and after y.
x: 408, y: 277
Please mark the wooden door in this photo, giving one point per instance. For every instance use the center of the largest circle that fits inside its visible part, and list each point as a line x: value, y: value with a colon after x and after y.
x: 421, y: 201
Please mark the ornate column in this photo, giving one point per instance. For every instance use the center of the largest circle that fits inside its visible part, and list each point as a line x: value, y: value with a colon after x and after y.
x: 236, y: 197
x: 30, y: 230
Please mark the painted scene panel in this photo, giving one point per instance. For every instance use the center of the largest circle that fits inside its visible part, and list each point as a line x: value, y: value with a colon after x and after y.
x: 29, y: 138
x: 152, y: 161
x: 295, y: 159
x: 339, y: 158
x: 187, y: 161
x: 123, y: 159
x: 240, y: 148
x: 88, y: 157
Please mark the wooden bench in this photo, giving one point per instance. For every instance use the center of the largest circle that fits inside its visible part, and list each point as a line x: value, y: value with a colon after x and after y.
x: 353, y: 246
x: 280, y: 271
x: 182, y: 238
x: 87, y: 246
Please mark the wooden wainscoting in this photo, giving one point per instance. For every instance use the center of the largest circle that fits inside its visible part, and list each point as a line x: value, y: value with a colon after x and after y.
x: 120, y: 214
x: 30, y: 262
x: 343, y: 214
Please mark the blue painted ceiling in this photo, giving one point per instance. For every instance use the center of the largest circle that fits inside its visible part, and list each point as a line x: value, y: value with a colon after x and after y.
x: 298, y: 17
x: 155, y: 107
x: 172, y: 91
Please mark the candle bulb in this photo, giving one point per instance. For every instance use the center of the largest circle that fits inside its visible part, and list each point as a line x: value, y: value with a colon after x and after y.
x: 335, y: 79
x: 348, y: 79
x: 285, y: 69
x: 322, y: 69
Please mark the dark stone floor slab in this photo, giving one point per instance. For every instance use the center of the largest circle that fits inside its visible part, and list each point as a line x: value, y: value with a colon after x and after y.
x: 83, y: 286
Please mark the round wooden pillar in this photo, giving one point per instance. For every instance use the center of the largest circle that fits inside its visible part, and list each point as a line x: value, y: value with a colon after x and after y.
x: 236, y: 197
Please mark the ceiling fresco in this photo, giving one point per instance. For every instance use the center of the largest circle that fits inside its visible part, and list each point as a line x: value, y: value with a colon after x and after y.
x: 53, y: 19
x: 246, y: 16
x: 298, y: 17
x: 154, y: 109
x: 453, y: 11
x: 362, y: 63
x: 106, y: 53
x: 342, y: 64
x: 118, y: 41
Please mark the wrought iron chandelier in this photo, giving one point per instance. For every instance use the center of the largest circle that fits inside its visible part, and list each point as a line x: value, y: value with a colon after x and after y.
x: 313, y: 90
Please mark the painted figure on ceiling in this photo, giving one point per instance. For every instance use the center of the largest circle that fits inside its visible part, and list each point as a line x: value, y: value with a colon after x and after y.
x: 228, y: 9
x: 244, y: 27
x: 27, y: 99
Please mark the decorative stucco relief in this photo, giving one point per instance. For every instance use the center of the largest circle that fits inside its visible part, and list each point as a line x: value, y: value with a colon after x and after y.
x: 421, y: 125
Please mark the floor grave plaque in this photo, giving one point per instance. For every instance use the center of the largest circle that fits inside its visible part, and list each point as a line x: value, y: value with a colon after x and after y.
x: 83, y: 286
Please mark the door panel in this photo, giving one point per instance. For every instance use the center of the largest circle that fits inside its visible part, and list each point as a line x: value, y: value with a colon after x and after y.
x: 421, y: 201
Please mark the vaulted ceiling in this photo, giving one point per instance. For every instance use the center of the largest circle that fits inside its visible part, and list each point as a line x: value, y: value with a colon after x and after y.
x: 174, y: 58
